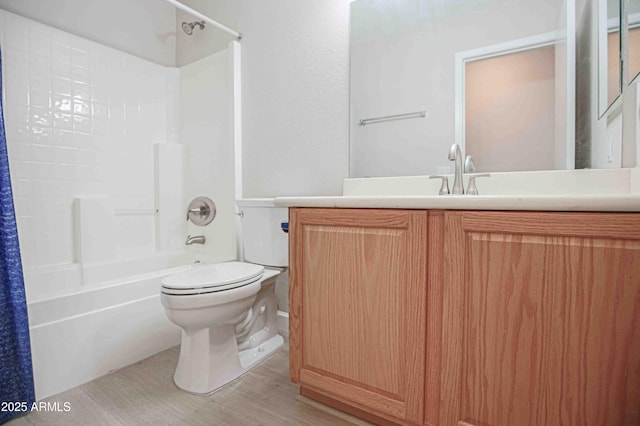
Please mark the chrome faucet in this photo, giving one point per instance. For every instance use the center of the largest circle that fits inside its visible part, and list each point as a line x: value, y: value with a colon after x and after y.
x: 198, y: 239
x: 455, y: 154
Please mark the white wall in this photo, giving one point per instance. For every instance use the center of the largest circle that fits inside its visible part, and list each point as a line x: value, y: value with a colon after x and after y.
x: 295, y: 71
x: 81, y: 119
x: 205, y: 102
x: 145, y: 28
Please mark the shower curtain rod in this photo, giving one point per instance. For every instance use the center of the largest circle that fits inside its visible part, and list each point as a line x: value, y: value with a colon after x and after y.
x: 205, y: 18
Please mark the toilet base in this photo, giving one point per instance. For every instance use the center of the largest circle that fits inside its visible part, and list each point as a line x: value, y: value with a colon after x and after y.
x: 246, y: 360
x: 250, y: 358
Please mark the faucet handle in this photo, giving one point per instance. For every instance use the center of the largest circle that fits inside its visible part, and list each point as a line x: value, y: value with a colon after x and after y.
x: 472, y: 189
x: 444, y: 189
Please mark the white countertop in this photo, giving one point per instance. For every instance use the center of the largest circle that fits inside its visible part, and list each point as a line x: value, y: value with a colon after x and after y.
x: 611, y: 190
x: 602, y: 203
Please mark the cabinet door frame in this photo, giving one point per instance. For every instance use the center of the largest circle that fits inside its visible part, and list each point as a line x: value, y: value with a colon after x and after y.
x: 414, y: 222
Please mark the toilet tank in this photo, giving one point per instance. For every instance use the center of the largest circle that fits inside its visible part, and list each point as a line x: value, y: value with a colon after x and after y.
x: 263, y: 239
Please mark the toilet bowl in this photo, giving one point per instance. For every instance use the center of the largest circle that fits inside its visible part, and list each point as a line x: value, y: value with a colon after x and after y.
x: 228, y: 311
x: 207, y: 302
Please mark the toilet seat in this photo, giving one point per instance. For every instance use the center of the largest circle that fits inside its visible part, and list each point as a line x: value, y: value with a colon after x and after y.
x: 212, y: 278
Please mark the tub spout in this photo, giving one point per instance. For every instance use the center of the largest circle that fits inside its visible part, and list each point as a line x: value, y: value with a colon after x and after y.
x: 198, y: 239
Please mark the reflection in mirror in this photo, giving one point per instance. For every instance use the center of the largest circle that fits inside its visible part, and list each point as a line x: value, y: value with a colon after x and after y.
x: 510, y: 117
x: 403, y: 59
x: 634, y: 39
x: 609, y: 53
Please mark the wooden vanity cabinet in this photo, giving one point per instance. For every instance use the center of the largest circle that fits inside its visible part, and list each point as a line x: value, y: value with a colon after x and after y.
x: 540, y: 319
x: 465, y: 318
x: 358, y: 309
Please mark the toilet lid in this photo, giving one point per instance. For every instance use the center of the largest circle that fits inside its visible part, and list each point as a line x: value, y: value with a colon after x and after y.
x: 212, y: 278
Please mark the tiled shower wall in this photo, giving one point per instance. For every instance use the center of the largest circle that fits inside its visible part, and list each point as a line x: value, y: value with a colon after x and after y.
x: 81, y: 118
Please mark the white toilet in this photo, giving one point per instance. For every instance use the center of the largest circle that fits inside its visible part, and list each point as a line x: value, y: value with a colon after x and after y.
x: 228, y: 311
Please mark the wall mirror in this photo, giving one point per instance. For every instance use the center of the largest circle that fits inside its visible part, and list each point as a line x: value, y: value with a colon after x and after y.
x: 498, y: 77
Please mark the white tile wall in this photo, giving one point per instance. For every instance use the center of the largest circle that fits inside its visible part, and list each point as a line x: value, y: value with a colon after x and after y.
x: 81, y: 118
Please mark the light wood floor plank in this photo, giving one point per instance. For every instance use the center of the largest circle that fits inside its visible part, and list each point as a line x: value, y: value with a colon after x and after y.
x: 144, y: 394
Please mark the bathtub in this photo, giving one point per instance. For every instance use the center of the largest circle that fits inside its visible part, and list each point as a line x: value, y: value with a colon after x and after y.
x: 104, y: 324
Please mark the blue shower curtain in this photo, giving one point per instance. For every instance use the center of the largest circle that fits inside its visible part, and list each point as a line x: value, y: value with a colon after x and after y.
x: 16, y: 374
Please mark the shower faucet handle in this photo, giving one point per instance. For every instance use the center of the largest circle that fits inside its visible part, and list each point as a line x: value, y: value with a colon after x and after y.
x: 201, y: 211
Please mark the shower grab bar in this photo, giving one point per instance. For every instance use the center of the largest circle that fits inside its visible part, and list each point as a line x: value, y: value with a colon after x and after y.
x: 417, y: 114
x: 205, y: 18
x: 135, y: 212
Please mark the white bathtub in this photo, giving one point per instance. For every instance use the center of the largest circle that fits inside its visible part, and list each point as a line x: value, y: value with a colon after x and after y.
x: 104, y: 326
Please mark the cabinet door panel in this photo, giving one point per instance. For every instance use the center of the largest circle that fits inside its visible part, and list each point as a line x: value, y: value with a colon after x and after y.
x: 544, y: 328
x: 358, y: 299
x: 353, y: 304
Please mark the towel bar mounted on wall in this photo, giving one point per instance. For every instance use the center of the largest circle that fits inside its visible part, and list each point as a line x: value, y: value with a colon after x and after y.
x: 417, y: 114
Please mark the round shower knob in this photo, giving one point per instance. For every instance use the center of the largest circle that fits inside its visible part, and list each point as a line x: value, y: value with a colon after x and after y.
x: 201, y: 211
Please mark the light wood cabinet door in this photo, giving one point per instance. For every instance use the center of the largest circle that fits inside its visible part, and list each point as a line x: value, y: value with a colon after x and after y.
x: 358, y: 308
x: 541, y: 319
